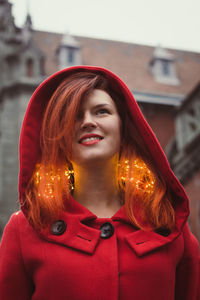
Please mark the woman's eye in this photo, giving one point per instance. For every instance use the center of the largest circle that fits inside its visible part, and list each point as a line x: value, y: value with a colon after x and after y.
x: 102, y: 111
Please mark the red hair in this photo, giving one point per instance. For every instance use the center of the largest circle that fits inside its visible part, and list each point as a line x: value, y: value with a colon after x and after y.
x: 147, y: 200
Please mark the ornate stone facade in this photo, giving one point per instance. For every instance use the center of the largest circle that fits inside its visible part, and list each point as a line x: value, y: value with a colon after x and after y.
x: 184, y: 152
x: 21, y: 64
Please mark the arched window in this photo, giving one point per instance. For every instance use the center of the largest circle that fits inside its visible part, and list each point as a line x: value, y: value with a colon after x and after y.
x: 29, y: 67
x: 42, y: 66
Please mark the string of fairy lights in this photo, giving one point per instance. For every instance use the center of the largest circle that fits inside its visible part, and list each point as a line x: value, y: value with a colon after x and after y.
x: 137, y: 173
x: 141, y: 177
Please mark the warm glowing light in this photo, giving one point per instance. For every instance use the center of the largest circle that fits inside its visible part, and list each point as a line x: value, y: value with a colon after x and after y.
x: 51, y: 180
x: 136, y: 172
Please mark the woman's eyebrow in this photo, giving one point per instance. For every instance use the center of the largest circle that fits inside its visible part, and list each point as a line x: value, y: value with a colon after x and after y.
x: 100, y: 105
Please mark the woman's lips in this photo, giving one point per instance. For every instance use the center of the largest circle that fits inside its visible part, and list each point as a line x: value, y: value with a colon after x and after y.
x: 91, y: 142
x: 91, y: 136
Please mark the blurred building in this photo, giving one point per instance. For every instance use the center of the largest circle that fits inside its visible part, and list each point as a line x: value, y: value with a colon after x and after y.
x: 165, y: 83
x: 183, y: 152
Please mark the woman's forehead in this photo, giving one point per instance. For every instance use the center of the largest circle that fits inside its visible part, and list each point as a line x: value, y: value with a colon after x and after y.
x: 97, y: 98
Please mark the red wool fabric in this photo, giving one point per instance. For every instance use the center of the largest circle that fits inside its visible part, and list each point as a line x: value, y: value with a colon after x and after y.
x: 80, y: 263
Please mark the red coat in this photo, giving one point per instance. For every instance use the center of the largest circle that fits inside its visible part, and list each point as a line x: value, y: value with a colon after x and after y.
x: 81, y: 256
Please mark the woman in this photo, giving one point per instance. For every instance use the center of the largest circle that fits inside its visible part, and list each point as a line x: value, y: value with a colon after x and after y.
x: 102, y: 214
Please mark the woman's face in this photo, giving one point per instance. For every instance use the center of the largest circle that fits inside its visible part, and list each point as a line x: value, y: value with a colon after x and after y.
x: 97, y: 130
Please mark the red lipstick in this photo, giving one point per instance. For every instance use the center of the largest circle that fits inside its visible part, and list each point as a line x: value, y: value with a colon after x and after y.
x: 85, y: 142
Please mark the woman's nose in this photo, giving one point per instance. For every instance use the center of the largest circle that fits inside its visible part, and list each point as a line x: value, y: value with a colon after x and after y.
x: 88, y: 121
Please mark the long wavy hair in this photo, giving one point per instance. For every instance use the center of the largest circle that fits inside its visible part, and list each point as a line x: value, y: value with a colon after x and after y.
x: 144, y: 191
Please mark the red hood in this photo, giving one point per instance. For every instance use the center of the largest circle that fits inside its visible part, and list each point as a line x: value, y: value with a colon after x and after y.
x: 30, y: 136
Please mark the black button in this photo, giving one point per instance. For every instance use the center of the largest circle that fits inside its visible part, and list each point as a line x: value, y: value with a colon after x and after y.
x: 107, y: 230
x: 163, y: 231
x: 58, y: 227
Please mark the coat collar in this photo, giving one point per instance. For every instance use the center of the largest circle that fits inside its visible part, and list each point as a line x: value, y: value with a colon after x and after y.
x: 84, y: 238
x: 144, y: 242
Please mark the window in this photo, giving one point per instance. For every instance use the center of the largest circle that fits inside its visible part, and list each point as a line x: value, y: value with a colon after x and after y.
x: 166, y: 68
x: 70, y: 55
x: 42, y: 66
x: 29, y: 67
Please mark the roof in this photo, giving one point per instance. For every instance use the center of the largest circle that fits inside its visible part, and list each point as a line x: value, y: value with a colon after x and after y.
x: 129, y: 61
